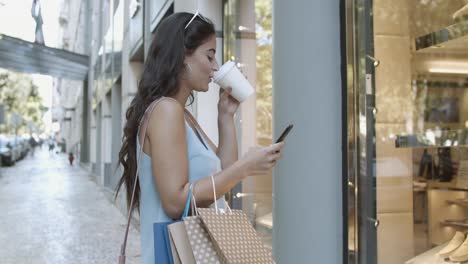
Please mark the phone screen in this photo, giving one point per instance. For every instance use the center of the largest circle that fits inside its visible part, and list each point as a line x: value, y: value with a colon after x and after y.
x: 284, y: 134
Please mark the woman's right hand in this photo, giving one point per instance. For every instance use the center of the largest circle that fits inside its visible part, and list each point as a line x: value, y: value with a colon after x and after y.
x: 262, y: 159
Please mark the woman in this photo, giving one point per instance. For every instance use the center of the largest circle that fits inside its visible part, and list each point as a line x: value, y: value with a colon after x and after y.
x: 181, y: 60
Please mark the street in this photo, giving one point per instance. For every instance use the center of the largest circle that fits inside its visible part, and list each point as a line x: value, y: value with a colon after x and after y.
x: 52, y: 212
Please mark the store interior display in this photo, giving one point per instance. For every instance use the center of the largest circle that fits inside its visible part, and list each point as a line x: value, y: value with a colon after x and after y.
x: 442, y: 211
x: 440, y: 205
x: 421, y: 131
x: 439, y: 169
x: 426, y: 166
x: 445, y: 138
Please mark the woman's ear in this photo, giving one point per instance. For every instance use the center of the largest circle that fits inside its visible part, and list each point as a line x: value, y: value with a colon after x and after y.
x: 186, y: 72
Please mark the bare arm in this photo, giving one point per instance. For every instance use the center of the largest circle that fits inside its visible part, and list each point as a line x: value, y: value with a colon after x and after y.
x: 227, y: 107
x: 167, y: 146
x: 227, y: 149
x: 258, y: 159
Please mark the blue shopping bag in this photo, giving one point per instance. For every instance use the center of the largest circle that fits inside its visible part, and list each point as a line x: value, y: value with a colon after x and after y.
x: 162, y: 245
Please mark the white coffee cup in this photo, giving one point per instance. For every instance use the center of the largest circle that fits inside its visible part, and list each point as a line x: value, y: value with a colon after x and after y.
x: 230, y: 76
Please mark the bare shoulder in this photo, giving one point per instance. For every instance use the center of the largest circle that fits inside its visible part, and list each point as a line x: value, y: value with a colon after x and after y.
x: 168, y: 107
x: 167, y: 114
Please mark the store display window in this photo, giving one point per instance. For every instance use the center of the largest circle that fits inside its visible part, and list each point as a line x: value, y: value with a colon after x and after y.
x: 410, y: 103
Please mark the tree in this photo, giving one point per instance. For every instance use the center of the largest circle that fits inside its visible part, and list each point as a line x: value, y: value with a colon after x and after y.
x: 20, y: 95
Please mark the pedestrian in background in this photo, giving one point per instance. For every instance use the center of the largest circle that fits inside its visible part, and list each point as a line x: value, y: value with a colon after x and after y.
x: 51, y: 145
x: 33, y: 144
x: 71, y: 158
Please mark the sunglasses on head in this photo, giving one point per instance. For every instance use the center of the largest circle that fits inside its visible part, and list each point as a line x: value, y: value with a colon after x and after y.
x: 195, y: 16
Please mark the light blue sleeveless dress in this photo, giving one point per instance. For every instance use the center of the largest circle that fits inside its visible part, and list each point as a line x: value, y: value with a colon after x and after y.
x: 202, y: 163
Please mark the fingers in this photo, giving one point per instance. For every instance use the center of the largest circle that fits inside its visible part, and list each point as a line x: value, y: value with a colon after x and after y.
x: 276, y: 156
x: 265, y: 158
x: 275, y: 147
x: 273, y: 159
x: 225, y: 92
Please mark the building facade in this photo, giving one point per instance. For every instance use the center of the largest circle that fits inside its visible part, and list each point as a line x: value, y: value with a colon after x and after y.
x: 376, y: 92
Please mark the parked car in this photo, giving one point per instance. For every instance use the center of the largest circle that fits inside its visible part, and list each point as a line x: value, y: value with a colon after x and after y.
x: 24, y: 146
x: 7, y: 155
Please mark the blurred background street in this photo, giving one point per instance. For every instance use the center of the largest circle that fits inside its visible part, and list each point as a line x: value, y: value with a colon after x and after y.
x: 52, y: 212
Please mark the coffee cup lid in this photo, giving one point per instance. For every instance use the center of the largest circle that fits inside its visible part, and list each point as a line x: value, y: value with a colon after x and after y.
x: 223, y: 70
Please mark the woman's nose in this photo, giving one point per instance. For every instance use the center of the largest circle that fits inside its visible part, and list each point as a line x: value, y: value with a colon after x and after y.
x: 216, y: 65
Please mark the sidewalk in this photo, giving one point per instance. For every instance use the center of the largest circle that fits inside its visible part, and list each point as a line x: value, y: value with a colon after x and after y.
x: 53, y: 213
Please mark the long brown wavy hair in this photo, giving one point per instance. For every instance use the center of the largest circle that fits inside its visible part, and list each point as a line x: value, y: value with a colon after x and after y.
x: 161, y: 74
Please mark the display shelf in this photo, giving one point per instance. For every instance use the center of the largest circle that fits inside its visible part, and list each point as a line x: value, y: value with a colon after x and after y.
x: 461, y: 202
x: 455, y: 223
x: 445, y: 138
x: 455, y: 185
x: 451, y: 33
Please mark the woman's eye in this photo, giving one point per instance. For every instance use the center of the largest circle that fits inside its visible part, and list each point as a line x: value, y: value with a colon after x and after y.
x: 209, y: 58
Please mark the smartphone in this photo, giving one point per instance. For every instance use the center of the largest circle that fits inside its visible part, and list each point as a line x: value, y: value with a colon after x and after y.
x: 284, y: 134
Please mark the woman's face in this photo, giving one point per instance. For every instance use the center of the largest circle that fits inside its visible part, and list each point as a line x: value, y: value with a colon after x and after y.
x: 201, y: 65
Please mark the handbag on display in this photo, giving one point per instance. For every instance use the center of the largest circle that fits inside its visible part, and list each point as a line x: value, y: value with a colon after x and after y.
x: 162, y: 243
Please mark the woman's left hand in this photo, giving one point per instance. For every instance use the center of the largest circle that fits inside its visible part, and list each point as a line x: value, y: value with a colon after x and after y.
x: 227, y: 104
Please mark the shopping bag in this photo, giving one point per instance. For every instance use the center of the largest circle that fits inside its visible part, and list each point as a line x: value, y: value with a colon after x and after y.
x: 202, y: 246
x: 181, y: 248
x: 175, y: 255
x: 199, y: 241
x: 234, y: 237
x: 162, y: 244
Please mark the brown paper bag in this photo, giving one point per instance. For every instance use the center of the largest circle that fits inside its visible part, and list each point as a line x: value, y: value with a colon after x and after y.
x: 183, y: 249
x: 234, y: 237
x: 175, y: 255
x: 202, y: 246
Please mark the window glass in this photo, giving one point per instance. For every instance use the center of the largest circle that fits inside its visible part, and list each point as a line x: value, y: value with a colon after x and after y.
x: 245, y: 32
x: 263, y: 193
x: 421, y: 137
